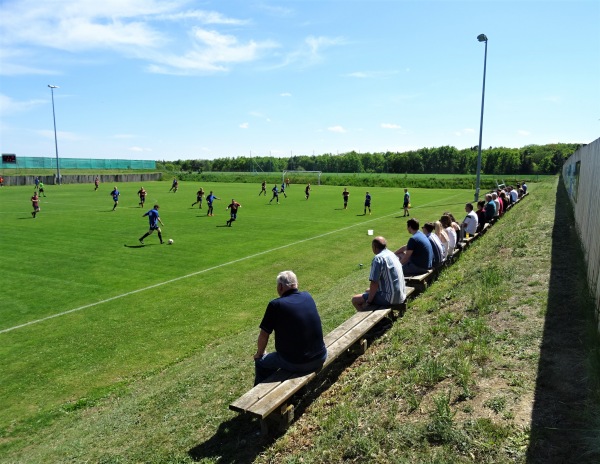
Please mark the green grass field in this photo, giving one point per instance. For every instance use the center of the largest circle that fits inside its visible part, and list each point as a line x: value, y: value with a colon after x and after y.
x: 86, y: 311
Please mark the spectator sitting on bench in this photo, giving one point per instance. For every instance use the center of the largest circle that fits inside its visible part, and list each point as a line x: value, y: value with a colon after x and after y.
x: 504, y: 200
x: 455, y: 225
x: 436, y: 244
x: 498, y: 204
x: 514, y: 195
x: 387, y: 285
x: 470, y: 222
x: 299, y: 341
x: 444, y: 239
x: 480, y: 215
x: 490, y: 208
x: 447, y: 225
x: 417, y: 255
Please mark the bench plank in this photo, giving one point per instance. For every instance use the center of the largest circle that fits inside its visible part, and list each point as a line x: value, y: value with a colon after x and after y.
x: 267, y: 396
x: 277, y: 396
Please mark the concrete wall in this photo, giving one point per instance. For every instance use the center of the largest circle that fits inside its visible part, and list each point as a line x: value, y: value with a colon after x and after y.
x: 581, y: 174
x: 83, y: 179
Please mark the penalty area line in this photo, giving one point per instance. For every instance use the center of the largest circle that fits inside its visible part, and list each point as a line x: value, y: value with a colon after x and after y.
x: 193, y: 274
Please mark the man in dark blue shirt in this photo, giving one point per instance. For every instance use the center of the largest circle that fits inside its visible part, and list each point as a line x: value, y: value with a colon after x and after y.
x: 299, y: 341
x: 275, y: 194
x: 154, y: 220
x: 115, y: 195
x: 417, y: 256
x: 209, y: 201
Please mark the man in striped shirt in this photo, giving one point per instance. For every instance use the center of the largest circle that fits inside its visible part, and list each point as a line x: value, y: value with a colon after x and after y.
x: 387, y: 279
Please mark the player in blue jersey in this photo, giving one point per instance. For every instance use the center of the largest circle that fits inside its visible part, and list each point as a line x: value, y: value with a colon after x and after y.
x: 209, y: 201
x: 367, y: 203
x: 154, y: 220
x: 275, y: 194
x: 115, y: 196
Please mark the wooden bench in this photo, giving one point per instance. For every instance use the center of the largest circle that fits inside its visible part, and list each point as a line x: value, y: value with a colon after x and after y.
x: 420, y: 281
x: 270, y: 400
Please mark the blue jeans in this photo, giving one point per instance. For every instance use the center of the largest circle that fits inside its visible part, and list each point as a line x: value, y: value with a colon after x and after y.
x: 378, y: 299
x: 272, y: 362
x: 409, y: 269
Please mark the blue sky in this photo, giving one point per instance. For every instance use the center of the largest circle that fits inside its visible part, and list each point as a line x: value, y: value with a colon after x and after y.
x: 171, y: 79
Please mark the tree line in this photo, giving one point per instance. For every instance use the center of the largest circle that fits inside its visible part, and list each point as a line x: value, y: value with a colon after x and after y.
x: 528, y: 160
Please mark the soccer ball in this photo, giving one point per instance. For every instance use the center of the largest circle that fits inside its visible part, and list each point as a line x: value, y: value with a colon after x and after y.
x: 170, y: 241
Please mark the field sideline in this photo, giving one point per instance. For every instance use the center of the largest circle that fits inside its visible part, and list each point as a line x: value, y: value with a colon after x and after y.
x: 83, y: 315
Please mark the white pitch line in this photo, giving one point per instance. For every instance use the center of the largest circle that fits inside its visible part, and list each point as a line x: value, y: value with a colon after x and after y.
x: 160, y: 284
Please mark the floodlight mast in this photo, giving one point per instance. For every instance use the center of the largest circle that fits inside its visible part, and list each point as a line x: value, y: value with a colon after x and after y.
x: 52, y: 87
x: 481, y: 38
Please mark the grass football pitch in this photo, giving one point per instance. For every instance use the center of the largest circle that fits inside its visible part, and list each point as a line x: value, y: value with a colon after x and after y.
x: 85, y: 309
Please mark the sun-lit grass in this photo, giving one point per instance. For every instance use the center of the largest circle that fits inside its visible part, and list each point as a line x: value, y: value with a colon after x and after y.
x: 86, y: 310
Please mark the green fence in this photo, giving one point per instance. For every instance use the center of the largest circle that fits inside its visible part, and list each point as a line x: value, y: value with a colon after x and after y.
x: 31, y: 162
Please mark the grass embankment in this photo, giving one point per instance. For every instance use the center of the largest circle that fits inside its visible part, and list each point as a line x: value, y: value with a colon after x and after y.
x: 496, y: 362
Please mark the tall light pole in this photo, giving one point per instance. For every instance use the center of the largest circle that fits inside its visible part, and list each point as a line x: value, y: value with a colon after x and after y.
x: 52, y: 87
x: 481, y: 38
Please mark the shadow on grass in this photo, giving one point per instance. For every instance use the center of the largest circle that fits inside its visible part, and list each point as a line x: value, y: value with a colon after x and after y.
x: 562, y: 418
x: 238, y: 440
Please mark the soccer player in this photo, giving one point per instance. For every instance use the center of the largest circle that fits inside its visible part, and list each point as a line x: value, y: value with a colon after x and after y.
x: 154, y: 220
x: 287, y: 182
x: 283, y: 189
x: 41, y: 188
x: 263, y: 188
x: 96, y: 183
x: 35, y: 202
x: 199, y: 196
x: 37, y: 182
x: 406, y: 202
x: 234, y: 205
x: 175, y: 185
x: 307, y: 191
x: 115, y: 195
x: 345, y: 194
x: 275, y: 194
x: 367, y: 203
x: 209, y: 201
x: 142, y: 194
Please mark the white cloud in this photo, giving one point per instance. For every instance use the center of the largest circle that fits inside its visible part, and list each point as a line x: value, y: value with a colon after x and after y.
x: 244, y: 125
x: 61, y: 135
x: 123, y: 136
x: 211, y: 52
x: 390, y: 126
x: 466, y: 131
x: 9, y: 106
x: 310, y: 51
x: 552, y: 99
x: 523, y: 133
x: 128, y: 27
x: 338, y: 129
x: 139, y: 149
x: 371, y: 74
x: 206, y: 17
x: 285, y: 94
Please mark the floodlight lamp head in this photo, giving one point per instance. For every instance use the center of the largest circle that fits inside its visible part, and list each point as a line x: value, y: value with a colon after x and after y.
x: 482, y: 38
x: 53, y: 86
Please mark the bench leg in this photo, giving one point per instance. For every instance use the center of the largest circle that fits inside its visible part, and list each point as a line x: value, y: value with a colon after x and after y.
x: 278, y: 421
x: 360, y: 346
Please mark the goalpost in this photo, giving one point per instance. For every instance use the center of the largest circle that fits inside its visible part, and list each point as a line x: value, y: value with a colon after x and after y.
x: 302, y: 172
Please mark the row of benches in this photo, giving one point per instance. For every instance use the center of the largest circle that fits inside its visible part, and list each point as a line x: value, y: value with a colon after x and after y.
x: 420, y: 282
x: 271, y: 400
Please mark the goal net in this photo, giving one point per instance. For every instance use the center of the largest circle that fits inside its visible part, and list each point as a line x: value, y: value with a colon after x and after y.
x: 297, y: 177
